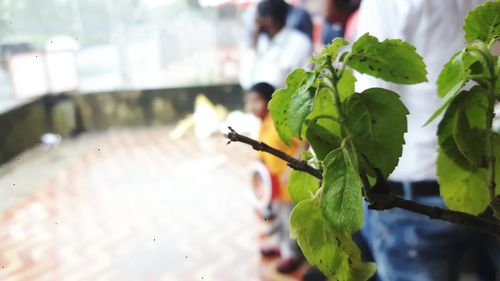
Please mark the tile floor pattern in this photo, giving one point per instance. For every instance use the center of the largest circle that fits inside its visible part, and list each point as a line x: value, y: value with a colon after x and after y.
x: 131, y: 205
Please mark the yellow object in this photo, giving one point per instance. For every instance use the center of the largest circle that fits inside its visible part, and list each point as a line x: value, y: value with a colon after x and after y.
x: 202, y: 100
x: 207, y: 117
x: 276, y: 166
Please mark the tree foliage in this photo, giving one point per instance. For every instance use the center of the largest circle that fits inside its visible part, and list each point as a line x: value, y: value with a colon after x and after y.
x: 358, y: 137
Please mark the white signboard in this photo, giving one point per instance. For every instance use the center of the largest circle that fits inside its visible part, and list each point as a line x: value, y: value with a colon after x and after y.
x: 28, y: 74
x: 34, y: 74
x: 62, y: 72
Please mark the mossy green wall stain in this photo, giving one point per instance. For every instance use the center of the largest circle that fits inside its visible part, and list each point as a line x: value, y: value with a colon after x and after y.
x: 63, y: 118
x: 163, y: 112
x: 22, y: 127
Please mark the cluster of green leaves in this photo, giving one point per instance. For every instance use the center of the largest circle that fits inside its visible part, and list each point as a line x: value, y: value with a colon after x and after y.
x: 468, y: 145
x: 357, y: 137
x: 353, y: 135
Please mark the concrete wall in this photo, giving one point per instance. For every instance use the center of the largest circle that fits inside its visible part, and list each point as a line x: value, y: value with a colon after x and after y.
x: 21, y: 128
x: 71, y: 114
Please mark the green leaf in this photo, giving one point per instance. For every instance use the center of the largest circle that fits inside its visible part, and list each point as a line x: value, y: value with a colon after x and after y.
x: 345, y: 85
x: 391, y: 60
x: 461, y: 132
x: 453, y: 76
x: 331, y: 50
x: 445, y: 132
x: 497, y: 85
x: 307, y: 155
x: 376, y: 119
x: 301, y: 186
x: 334, y: 253
x: 278, y: 106
x: 301, y: 104
x: 323, y: 133
x: 476, y: 64
x: 451, y: 79
x: 342, y: 56
x: 462, y: 189
x: 456, y: 72
x: 483, y: 22
x: 470, y: 126
x: 341, y: 197
x: 322, y: 139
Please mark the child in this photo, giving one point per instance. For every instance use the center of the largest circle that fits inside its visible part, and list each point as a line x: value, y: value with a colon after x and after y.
x: 256, y: 100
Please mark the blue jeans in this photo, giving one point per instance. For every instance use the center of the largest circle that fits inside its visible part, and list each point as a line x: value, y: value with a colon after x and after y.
x: 411, y: 247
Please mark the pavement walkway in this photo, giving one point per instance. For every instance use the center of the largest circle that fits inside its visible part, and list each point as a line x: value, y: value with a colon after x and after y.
x: 131, y: 205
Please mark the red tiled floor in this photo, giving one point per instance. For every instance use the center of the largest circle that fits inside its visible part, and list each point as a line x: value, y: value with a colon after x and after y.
x: 131, y: 205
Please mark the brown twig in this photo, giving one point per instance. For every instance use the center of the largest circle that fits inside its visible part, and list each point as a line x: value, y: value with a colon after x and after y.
x: 295, y: 164
x: 465, y: 219
x: 383, y: 201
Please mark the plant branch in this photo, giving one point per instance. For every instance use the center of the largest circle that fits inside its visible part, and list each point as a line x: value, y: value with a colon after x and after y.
x: 383, y: 201
x: 334, y: 80
x: 295, y: 164
x: 490, y: 145
x: 481, y: 224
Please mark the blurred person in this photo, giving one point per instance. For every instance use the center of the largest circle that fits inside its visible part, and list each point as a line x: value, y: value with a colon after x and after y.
x: 409, y: 246
x: 337, y: 14
x: 296, y: 18
x: 350, y: 26
x: 256, y: 101
x: 277, y: 50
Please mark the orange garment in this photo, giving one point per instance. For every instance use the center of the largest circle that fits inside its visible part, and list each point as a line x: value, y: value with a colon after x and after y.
x: 276, y: 166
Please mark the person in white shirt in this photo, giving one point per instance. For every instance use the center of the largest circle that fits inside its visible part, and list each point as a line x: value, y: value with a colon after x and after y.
x: 408, y: 246
x: 277, y: 49
x: 296, y: 18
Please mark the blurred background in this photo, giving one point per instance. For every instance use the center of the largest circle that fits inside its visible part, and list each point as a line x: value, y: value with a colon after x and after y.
x: 110, y: 45
x: 112, y: 165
